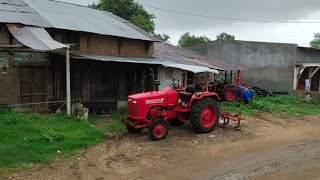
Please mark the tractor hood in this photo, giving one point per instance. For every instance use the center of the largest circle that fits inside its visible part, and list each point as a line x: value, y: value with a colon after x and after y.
x: 152, y: 94
x: 153, y: 97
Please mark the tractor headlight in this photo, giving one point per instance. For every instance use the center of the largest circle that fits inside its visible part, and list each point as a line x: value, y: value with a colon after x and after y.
x: 129, y: 99
x: 134, y: 101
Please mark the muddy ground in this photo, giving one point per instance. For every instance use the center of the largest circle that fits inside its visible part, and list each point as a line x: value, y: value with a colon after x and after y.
x: 266, y: 148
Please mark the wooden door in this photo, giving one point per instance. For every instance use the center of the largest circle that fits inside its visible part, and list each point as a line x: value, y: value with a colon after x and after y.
x: 32, y: 86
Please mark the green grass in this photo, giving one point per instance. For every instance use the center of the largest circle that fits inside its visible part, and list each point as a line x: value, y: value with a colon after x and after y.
x: 278, y: 105
x: 116, y: 126
x: 33, y: 138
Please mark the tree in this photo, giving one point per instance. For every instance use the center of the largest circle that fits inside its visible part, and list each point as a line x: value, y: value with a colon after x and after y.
x: 315, y: 43
x: 163, y: 37
x: 129, y: 10
x: 225, y: 36
x: 188, y: 40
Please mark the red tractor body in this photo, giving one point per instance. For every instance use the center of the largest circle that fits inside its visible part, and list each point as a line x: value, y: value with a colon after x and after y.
x: 154, y: 109
x: 139, y: 105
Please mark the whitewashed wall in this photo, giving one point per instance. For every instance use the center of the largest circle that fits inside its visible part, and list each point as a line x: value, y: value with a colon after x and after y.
x: 164, y: 76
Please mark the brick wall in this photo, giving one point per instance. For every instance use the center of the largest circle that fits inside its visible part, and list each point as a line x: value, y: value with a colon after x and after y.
x: 108, y: 45
x: 150, y: 51
x: 98, y: 44
x: 133, y: 48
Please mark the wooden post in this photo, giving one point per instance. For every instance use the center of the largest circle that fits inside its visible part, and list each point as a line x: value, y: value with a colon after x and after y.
x: 301, y: 71
x: 313, y: 71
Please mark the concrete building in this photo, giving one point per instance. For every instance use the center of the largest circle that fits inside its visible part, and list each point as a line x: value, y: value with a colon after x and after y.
x: 277, y: 67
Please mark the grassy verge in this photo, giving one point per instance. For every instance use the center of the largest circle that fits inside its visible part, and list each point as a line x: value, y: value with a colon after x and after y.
x: 116, y: 126
x: 278, y: 105
x: 34, y: 138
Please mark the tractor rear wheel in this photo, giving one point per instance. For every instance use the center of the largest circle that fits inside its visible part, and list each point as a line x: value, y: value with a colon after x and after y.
x: 133, y: 130
x: 158, y: 130
x: 205, y: 115
x: 230, y: 94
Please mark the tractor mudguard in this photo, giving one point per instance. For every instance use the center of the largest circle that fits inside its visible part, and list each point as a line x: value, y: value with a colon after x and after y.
x: 201, y: 95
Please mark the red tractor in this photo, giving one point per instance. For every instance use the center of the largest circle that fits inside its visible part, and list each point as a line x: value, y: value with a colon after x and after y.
x: 153, y: 110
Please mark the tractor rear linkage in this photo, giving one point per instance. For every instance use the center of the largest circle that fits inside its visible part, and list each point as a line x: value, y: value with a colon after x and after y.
x: 227, y: 116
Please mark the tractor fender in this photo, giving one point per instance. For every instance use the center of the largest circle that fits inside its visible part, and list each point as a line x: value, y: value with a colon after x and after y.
x: 201, y: 95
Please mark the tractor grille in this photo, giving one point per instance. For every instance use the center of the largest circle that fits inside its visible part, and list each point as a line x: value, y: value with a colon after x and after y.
x: 133, y: 109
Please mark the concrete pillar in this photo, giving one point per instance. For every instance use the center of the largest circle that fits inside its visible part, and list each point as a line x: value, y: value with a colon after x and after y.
x: 68, y: 87
x: 295, y: 78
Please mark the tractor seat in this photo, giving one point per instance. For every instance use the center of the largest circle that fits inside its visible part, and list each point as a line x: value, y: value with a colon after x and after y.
x: 191, y: 89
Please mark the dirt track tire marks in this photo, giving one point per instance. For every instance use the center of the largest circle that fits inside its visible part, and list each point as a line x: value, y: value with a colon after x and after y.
x: 276, y: 160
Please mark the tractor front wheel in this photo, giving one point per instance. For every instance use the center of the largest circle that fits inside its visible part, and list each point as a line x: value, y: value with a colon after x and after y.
x: 133, y: 130
x: 158, y: 130
x: 205, y: 116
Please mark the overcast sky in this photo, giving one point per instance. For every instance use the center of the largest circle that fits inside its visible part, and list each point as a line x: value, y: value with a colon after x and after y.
x: 272, y: 10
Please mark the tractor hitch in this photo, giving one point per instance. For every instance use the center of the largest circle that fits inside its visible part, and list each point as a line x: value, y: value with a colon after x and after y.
x: 227, y: 116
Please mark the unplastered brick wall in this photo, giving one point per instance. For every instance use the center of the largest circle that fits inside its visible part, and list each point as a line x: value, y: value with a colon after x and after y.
x: 150, y: 51
x: 114, y: 46
x: 106, y: 45
x: 98, y: 44
x: 133, y: 48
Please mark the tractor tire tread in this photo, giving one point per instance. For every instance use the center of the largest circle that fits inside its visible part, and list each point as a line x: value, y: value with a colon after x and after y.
x: 225, y: 91
x: 152, y: 125
x: 196, y: 111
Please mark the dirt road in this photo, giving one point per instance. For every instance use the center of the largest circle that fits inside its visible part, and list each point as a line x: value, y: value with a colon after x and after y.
x: 266, y: 148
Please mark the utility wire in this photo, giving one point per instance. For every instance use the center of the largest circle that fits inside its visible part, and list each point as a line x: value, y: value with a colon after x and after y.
x: 232, y: 19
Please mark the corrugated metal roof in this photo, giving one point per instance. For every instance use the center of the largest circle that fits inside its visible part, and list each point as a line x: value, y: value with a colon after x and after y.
x: 192, y: 68
x: 155, y: 61
x: 61, y: 15
x: 17, y: 11
x: 67, y: 16
x: 35, y: 38
x: 128, y: 23
x: 183, y: 56
x: 13, y: 2
x: 308, y: 64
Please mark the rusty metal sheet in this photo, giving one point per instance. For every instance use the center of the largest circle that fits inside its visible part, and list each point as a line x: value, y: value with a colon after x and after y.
x: 35, y: 38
